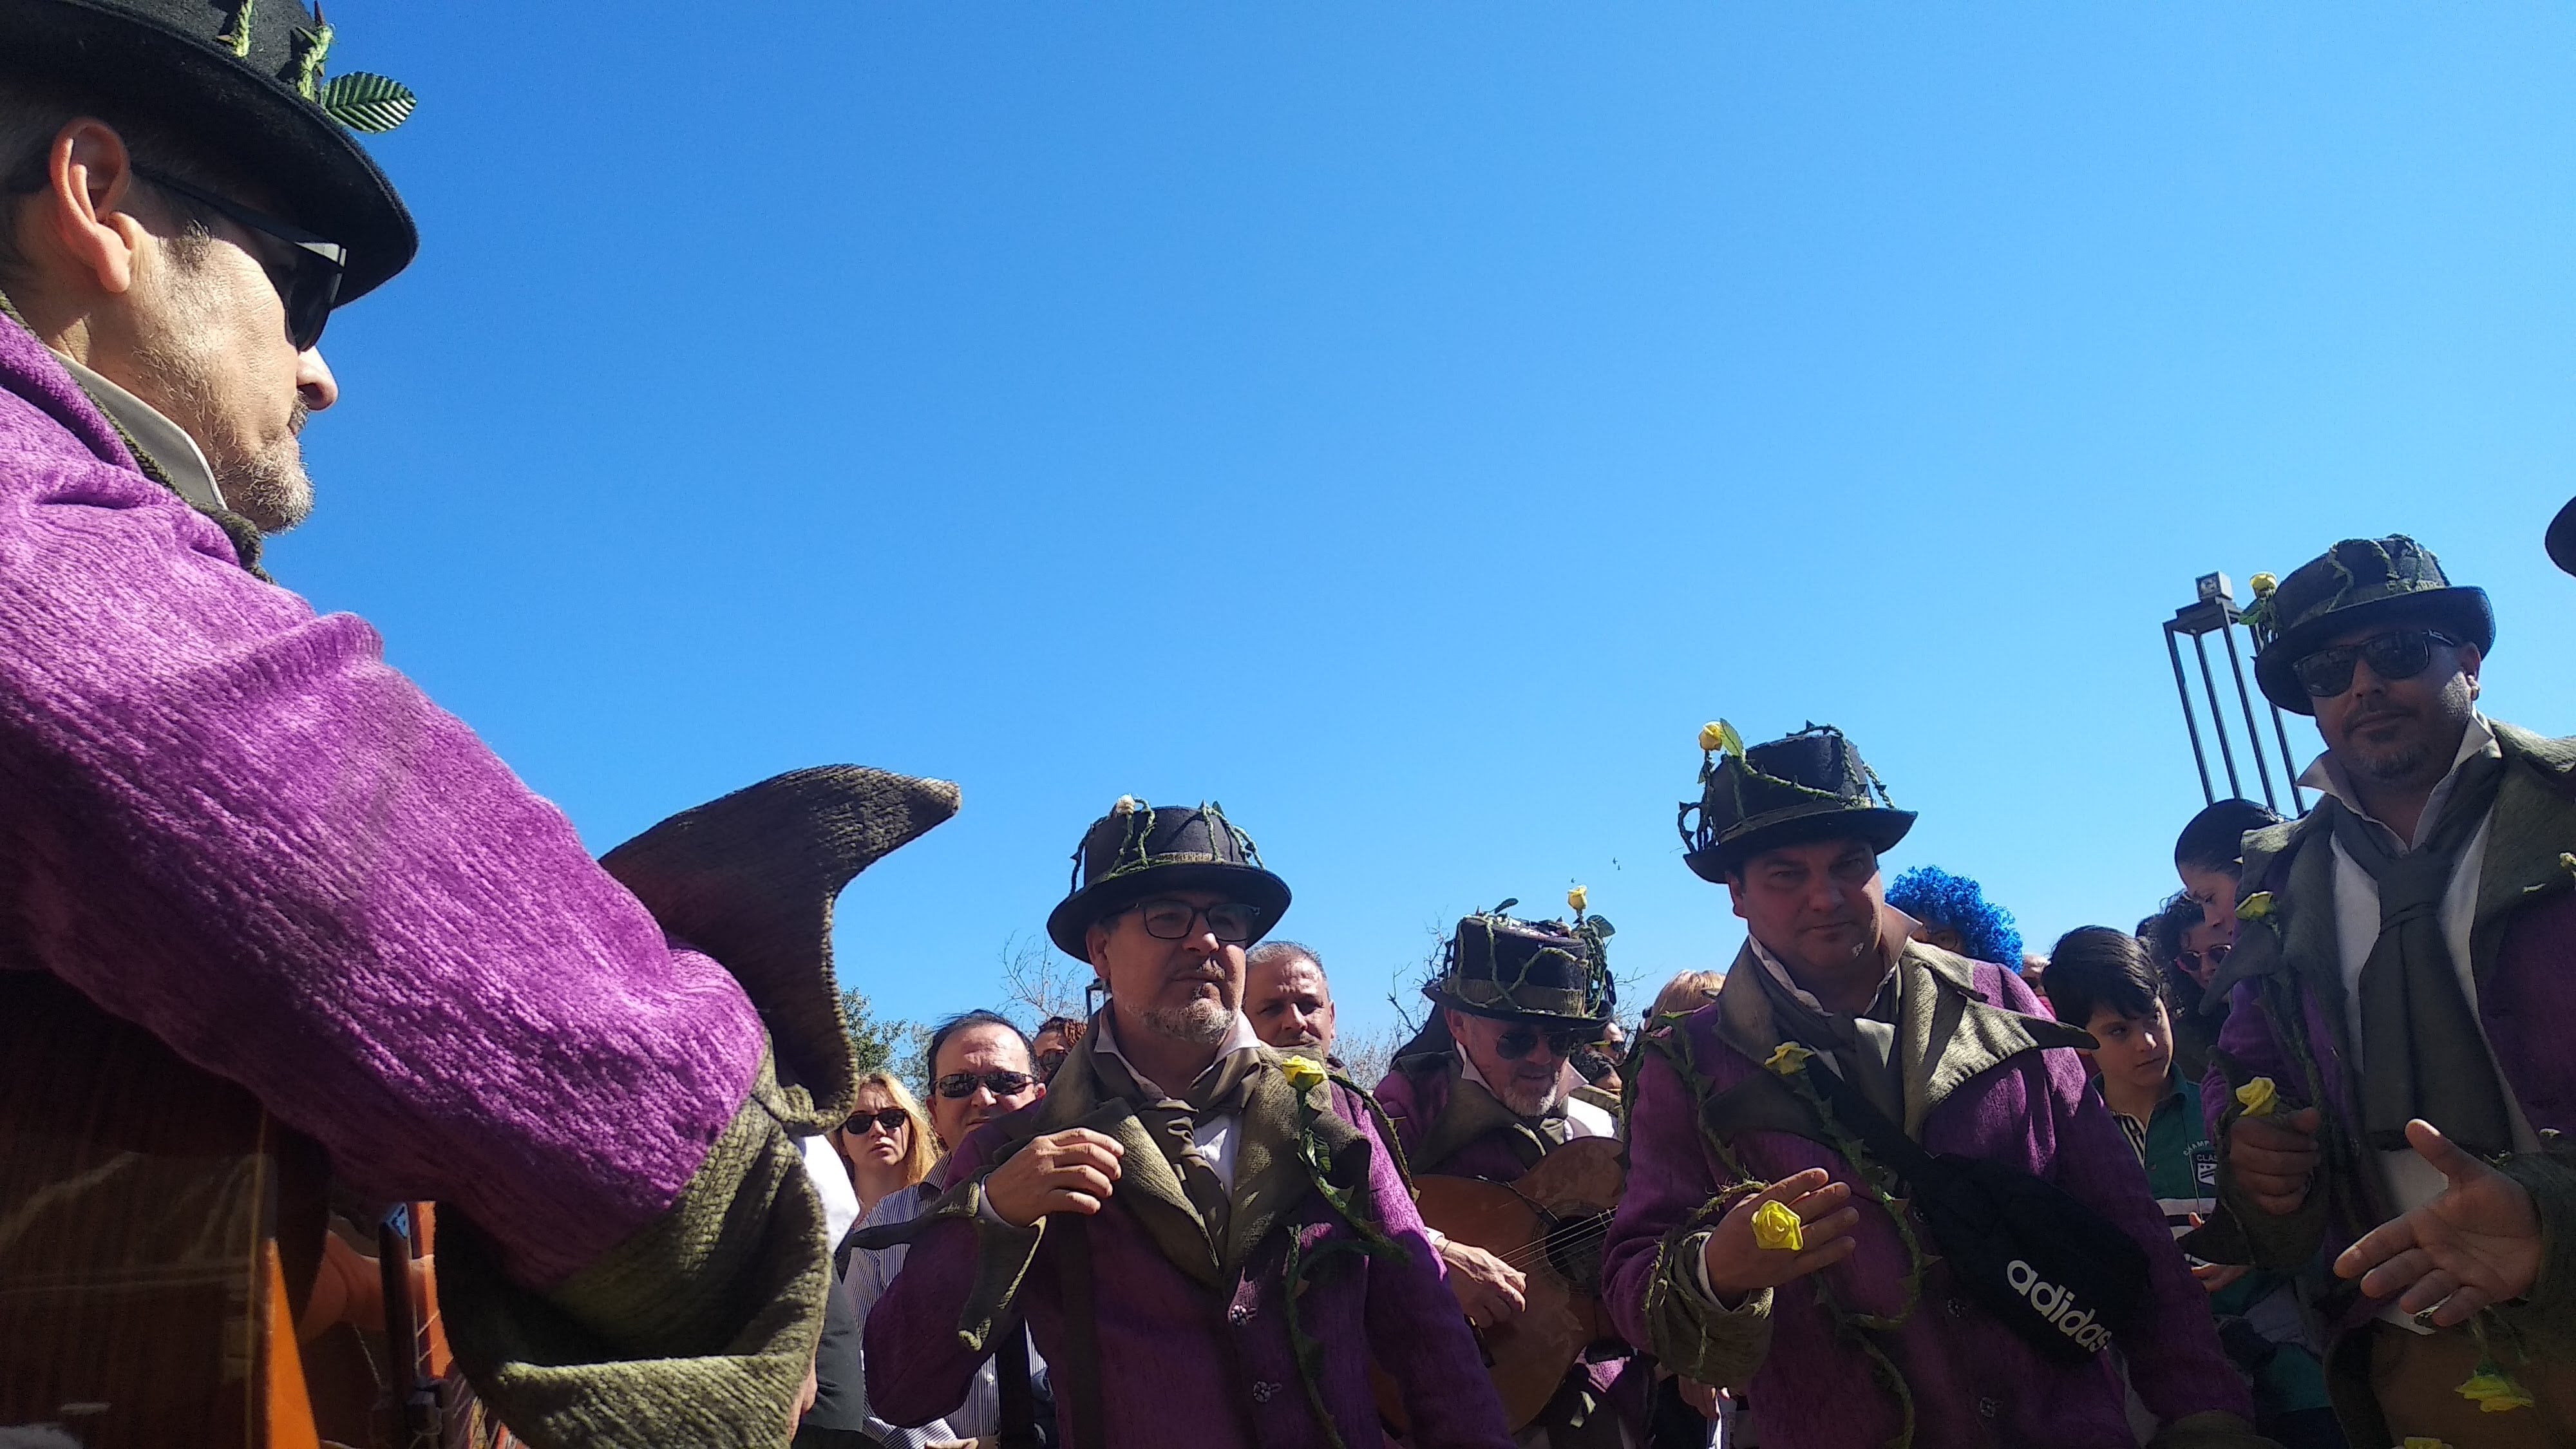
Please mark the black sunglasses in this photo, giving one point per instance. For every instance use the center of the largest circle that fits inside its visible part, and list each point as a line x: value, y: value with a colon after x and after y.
x: 1229, y: 921
x: 2398, y: 654
x: 1520, y: 1041
x: 963, y: 1084
x: 892, y: 1119
x: 2190, y: 961
x: 308, y: 281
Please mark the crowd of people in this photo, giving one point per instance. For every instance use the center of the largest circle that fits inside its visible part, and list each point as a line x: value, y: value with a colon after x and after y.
x: 289, y: 954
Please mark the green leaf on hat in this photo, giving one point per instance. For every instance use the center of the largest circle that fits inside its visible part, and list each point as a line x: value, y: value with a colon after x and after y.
x: 364, y: 102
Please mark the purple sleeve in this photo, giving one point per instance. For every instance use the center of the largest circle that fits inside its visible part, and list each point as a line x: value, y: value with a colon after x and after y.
x: 918, y: 1367
x: 227, y: 821
x: 2248, y: 1037
x: 1415, y: 1328
x: 1668, y: 1182
x: 2175, y: 1362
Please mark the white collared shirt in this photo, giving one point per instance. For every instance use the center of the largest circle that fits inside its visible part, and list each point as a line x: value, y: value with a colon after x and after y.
x: 153, y: 432
x: 1582, y: 1119
x: 1216, y: 1134
x: 2411, y: 1181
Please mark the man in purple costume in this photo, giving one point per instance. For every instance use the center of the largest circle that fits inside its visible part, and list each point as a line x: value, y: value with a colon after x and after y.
x: 1859, y: 1335
x: 2401, y: 986
x: 1485, y: 1091
x: 234, y: 843
x: 1210, y: 1242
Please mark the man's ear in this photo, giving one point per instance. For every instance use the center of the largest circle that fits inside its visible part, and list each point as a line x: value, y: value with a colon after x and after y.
x: 1095, y: 945
x: 87, y: 201
x: 1735, y: 895
x: 2470, y: 659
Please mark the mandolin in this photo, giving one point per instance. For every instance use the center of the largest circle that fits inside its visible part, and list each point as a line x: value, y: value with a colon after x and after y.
x: 1550, y: 1225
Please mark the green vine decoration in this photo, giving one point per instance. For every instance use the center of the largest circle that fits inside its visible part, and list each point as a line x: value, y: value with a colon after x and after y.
x: 235, y: 35
x: 1300, y: 1268
x: 1851, y: 1328
x: 310, y: 48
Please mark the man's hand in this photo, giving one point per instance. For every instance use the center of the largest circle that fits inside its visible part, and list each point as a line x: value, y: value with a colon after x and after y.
x: 2477, y: 1243
x: 1488, y: 1288
x: 1737, y: 1268
x: 1071, y: 1171
x: 2219, y: 1277
x: 1701, y: 1397
x: 2274, y: 1158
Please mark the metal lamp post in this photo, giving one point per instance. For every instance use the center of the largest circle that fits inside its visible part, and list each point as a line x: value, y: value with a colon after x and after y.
x: 2215, y: 612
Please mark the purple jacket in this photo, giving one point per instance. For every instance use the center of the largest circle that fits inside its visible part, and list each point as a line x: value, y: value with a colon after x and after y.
x: 1982, y: 1080
x: 2286, y: 1015
x: 1194, y: 1353
x: 224, y: 819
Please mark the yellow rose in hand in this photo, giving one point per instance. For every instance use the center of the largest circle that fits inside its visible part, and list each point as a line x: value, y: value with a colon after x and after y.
x: 2259, y: 1097
x: 2494, y: 1391
x: 2254, y: 907
x: 1786, y: 1058
x: 1302, y: 1074
x: 1776, y: 1229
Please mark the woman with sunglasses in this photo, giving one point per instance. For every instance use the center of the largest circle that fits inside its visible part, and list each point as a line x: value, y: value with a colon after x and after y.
x: 886, y: 1142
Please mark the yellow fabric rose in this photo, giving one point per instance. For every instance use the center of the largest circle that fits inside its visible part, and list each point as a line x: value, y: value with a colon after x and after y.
x: 1578, y: 898
x: 1719, y: 737
x: 1787, y: 1058
x: 1776, y: 1229
x: 2254, y: 907
x: 1302, y: 1074
x: 2259, y: 1097
x: 2494, y: 1391
x: 2263, y: 585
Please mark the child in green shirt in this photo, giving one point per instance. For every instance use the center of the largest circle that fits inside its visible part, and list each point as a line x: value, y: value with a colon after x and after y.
x: 2105, y: 981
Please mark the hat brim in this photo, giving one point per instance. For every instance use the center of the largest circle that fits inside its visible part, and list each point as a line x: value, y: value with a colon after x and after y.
x: 323, y: 178
x: 2561, y: 539
x: 1496, y: 1011
x: 1071, y: 920
x: 1881, y: 827
x: 2460, y: 611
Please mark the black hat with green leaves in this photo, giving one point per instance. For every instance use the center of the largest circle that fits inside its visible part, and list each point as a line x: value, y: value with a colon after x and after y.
x: 249, y: 79
x: 1501, y: 966
x: 1139, y: 850
x: 1808, y: 786
x: 2360, y: 583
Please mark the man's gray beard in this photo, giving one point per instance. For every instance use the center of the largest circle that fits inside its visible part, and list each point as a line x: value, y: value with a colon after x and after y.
x: 1534, y: 1104
x: 1200, y: 1023
x: 2396, y: 766
x: 271, y: 490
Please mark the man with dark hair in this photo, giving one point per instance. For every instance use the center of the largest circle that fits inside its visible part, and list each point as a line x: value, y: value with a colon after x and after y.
x: 245, y: 861
x: 1287, y: 999
x: 2395, y: 1068
x: 2104, y: 981
x: 1210, y: 1242
x: 1764, y: 1149
x: 980, y: 1069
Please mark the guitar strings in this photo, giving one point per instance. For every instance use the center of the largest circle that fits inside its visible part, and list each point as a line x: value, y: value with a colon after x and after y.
x: 1566, y: 1238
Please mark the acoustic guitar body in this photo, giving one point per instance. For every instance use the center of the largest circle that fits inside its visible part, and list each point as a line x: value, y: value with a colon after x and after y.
x: 1549, y: 1225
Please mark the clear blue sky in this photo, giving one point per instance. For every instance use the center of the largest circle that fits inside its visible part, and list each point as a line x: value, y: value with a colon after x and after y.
x: 1407, y: 423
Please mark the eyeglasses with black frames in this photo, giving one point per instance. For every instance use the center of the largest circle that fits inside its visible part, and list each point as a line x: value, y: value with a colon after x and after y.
x: 2397, y: 654
x: 958, y: 1085
x: 306, y: 271
x: 1231, y: 922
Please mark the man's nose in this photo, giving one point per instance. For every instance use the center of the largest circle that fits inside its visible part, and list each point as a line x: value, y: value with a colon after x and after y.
x: 314, y: 382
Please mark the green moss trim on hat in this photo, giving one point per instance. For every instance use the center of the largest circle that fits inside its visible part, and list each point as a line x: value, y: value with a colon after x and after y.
x: 1501, y: 966
x: 1138, y: 850
x: 2360, y: 583
x: 1811, y: 785
x: 248, y: 77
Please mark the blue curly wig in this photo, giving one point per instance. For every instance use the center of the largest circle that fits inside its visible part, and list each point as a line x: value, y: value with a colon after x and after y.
x: 1937, y: 898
